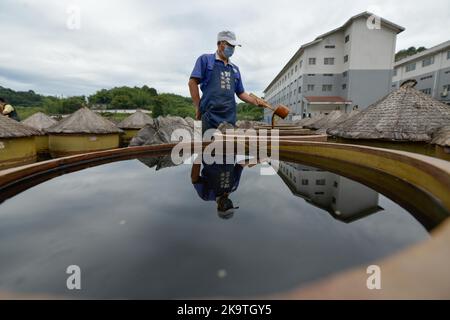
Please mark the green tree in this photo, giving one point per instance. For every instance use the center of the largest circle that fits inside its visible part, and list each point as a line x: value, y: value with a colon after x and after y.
x: 122, y: 102
x: 247, y: 111
x: 100, y: 97
x: 21, y: 98
x: 420, y: 49
x: 72, y: 104
x: 402, y: 54
x: 52, y: 105
x: 157, y: 108
x: 150, y: 91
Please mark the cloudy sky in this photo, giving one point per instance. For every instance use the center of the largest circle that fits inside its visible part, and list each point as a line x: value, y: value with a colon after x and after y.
x: 47, y: 47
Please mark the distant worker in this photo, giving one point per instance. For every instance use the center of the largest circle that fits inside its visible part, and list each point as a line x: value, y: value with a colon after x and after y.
x: 8, y: 110
x: 219, y: 80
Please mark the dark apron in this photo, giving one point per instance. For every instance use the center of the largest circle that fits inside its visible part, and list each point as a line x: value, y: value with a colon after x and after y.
x: 220, y: 94
x: 219, y: 178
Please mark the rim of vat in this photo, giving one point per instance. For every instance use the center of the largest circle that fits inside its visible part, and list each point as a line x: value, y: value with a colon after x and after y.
x: 428, y: 174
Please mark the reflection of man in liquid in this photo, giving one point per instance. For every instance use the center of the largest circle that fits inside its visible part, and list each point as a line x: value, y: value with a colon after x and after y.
x: 216, y: 182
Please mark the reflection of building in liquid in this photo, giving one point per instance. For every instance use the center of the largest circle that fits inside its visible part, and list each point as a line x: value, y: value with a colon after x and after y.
x: 343, y: 198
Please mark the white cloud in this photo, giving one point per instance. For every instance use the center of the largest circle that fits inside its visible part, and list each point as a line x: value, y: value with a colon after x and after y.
x: 156, y: 43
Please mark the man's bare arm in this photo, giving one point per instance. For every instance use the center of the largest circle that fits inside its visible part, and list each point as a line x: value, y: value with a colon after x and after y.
x: 195, y: 95
x: 195, y: 172
x: 244, y: 96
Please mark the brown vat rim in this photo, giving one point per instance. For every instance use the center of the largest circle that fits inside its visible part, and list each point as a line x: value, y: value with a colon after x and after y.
x: 438, y: 169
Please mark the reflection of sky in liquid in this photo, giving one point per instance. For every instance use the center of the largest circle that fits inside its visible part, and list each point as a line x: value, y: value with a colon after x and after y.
x: 140, y: 233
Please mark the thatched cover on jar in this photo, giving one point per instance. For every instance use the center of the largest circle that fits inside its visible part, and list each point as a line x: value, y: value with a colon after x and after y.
x: 405, y: 114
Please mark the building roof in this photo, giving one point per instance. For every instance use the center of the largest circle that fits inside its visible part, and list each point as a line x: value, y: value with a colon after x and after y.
x: 327, y: 100
x: 299, y: 52
x: 365, y: 14
x: 136, y: 121
x: 39, y: 121
x: 440, y: 47
x: 84, y: 120
x: 405, y: 114
x: 10, y: 128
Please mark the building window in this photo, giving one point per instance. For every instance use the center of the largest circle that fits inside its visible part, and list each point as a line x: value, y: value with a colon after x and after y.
x: 427, y: 77
x: 304, y: 182
x: 426, y: 91
x: 319, y: 193
x: 330, y: 47
x: 329, y: 61
x: 312, y: 60
x: 344, y: 86
x: 301, y: 63
x: 347, y: 38
x: 327, y: 74
x: 346, y: 58
x: 295, y: 68
x: 410, y: 67
x: 320, y: 182
x: 335, y: 184
x: 327, y: 87
x: 395, y: 72
x: 310, y: 87
x: 311, y: 74
x: 299, y: 89
x: 344, y: 74
x: 428, y: 61
x: 333, y: 200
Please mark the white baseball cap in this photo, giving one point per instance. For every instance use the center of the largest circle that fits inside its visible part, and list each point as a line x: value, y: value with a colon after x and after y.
x: 229, y: 37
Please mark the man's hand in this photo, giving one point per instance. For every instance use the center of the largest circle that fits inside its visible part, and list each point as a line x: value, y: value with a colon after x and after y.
x: 195, y: 172
x: 198, y: 115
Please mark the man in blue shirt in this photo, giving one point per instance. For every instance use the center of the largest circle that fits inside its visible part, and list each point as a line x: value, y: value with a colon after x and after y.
x: 219, y: 81
x: 215, y: 182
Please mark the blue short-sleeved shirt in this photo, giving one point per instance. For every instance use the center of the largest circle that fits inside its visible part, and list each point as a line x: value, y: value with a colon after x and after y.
x: 201, y: 71
x: 216, y: 179
x: 219, y: 83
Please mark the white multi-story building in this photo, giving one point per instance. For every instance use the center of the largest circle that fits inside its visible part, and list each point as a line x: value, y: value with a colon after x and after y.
x: 345, y: 68
x: 344, y: 199
x: 431, y: 70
